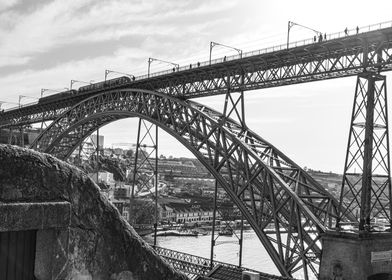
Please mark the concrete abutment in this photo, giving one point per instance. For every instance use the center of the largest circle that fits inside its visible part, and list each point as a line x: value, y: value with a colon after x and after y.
x: 353, y: 256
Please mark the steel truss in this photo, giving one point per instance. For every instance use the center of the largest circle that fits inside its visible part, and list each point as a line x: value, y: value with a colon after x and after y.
x: 311, y: 63
x: 193, y: 265
x: 366, y: 185
x: 329, y: 59
x: 264, y: 184
x: 146, y: 166
x: 234, y: 108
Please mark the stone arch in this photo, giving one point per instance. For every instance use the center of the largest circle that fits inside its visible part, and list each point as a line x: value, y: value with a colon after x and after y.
x: 266, y: 185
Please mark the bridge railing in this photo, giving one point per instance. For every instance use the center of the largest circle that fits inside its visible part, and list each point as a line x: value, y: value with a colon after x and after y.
x: 192, y: 264
x: 21, y: 106
x: 330, y: 36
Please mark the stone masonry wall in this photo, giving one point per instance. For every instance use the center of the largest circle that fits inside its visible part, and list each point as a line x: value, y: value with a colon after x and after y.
x: 100, y: 244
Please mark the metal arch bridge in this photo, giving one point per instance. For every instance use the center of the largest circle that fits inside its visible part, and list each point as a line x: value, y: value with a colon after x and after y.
x: 266, y: 185
x: 340, y: 56
x: 195, y: 266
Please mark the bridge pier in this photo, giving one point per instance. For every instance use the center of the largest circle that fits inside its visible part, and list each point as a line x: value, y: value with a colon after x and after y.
x: 351, y: 256
x: 361, y: 248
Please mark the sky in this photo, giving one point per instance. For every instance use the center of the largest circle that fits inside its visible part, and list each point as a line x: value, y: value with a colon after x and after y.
x: 47, y: 43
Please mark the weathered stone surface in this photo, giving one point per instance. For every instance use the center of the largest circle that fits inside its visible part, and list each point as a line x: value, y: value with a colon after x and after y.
x: 348, y: 256
x: 101, y: 244
x: 23, y: 216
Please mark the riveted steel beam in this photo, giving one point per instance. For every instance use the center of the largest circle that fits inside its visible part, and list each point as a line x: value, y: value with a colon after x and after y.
x: 264, y: 184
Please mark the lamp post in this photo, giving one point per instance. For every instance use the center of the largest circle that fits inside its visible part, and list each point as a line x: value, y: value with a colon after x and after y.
x: 107, y: 72
x: 25, y: 96
x: 213, y: 44
x: 43, y: 90
x: 291, y: 24
x: 6, y: 102
x: 150, y: 60
x: 77, y: 81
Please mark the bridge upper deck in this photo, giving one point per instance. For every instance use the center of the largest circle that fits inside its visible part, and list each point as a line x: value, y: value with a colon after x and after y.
x: 340, y: 55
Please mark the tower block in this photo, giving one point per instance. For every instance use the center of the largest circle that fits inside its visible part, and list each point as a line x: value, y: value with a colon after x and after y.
x: 361, y: 245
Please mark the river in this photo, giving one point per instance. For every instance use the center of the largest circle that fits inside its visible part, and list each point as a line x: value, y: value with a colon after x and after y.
x: 254, y: 254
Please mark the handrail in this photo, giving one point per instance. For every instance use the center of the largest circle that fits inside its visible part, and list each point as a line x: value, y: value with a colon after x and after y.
x: 331, y: 36
x: 204, y: 264
x: 200, y: 261
x: 20, y: 106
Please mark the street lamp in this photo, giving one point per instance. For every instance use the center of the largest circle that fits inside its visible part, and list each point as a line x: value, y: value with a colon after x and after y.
x: 43, y: 90
x: 6, y: 102
x: 107, y: 72
x: 213, y: 44
x: 291, y: 24
x: 150, y: 60
x: 25, y: 96
x: 77, y: 81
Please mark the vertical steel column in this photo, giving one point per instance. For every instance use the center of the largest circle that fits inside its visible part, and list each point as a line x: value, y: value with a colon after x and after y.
x: 234, y: 107
x: 243, y: 123
x: 366, y: 185
x: 241, y: 241
x: 97, y: 155
x: 156, y: 186
x: 144, y: 166
x: 132, y: 200
x: 136, y: 158
x: 213, y: 226
x: 365, y: 207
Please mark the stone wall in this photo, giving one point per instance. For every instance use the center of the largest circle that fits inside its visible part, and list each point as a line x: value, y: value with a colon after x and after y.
x: 97, y: 244
x: 352, y: 256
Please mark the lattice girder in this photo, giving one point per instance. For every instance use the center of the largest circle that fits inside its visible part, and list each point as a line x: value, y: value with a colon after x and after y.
x: 329, y: 59
x: 366, y: 186
x: 266, y: 186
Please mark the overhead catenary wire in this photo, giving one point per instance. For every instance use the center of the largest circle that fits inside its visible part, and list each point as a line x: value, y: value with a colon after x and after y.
x: 202, y: 55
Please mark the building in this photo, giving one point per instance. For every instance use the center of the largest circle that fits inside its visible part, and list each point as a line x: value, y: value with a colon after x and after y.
x: 185, y: 213
x: 195, y: 181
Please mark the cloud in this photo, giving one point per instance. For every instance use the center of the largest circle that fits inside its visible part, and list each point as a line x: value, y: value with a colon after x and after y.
x: 59, y: 23
x: 29, y: 82
x: 6, y: 4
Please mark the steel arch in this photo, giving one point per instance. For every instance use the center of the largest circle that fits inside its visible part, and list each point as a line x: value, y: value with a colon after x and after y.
x: 265, y: 185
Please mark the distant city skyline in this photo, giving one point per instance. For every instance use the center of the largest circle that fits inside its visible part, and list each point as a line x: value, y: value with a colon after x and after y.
x: 47, y: 43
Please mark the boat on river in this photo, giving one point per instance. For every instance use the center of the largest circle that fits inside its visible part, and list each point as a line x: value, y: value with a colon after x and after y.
x: 178, y: 233
x: 225, y: 232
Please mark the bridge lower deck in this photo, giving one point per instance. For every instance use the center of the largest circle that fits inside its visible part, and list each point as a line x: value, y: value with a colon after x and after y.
x: 201, y: 268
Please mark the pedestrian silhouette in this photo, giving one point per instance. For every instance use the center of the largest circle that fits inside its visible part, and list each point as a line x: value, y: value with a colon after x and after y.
x: 346, y: 31
x: 357, y: 29
x: 315, y: 38
x: 320, y: 37
x: 325, y: 36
